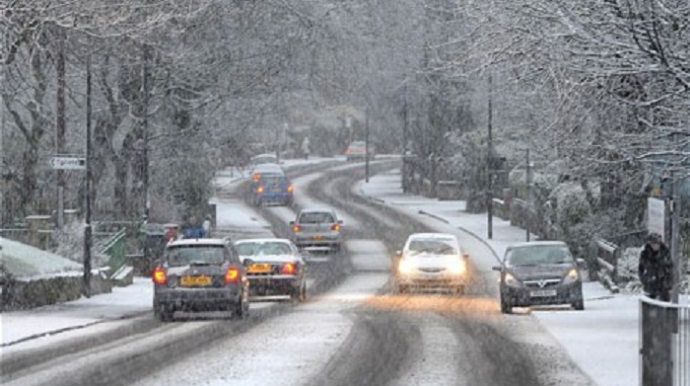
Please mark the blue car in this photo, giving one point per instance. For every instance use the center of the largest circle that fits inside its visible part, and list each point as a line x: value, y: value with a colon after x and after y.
x: 272, y: 188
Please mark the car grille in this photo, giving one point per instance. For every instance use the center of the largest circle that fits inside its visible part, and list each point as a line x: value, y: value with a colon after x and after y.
x: 543, y: 283
x: 432, y: 270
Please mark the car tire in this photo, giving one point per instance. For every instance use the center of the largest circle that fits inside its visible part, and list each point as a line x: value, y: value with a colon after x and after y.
x: 579, y: 305
x: 241, y: 309
x: 506, y: 308
x: 303, y: 293
x: 163, y: 313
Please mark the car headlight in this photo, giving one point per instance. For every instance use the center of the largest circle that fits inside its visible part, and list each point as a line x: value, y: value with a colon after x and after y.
x: 456, y: 268
x: 511, y: 280
x: 571, y: 277
x: 405, y: 267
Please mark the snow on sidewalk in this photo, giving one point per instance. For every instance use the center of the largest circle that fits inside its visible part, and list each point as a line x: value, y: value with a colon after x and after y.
x: 121, y: 303
x: 603, y: 340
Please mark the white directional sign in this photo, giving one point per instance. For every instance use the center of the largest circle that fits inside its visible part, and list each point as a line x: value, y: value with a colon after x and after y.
x: 68, y: 163
x: 656, y: 216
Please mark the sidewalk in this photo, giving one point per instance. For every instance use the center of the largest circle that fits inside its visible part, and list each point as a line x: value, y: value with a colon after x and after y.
x: 602, y: 340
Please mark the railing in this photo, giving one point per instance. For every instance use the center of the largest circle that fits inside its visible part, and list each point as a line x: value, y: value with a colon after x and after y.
x: 116, y: 250
x: 664, y: 343
x: 606, y: 254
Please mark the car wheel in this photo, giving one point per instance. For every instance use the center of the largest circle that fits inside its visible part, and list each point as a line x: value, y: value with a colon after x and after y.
x: 163, y: 313
x: 579, y: 305
x: 303, y: 293
x: 506, y: 308
x: 241, y: 310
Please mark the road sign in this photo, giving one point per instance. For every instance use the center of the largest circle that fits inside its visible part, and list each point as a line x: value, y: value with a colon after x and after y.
x: 656, y: 216
x: 68, y: 163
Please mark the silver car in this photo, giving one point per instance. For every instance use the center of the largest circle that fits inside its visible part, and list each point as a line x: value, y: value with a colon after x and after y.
x: 275, y: 268
x: 540, y: 273
x: 431, y: 260
x: 317, y: 230
x: 200, y: 275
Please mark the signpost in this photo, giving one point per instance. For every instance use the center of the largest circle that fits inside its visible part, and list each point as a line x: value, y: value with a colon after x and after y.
x: 656, y: 216
x: 68, y: 163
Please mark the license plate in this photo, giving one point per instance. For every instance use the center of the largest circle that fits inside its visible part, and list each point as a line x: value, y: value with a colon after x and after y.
x: 542, y: 293
x: 259, y: 268
x: 190, y: 281
x: 317, y: 237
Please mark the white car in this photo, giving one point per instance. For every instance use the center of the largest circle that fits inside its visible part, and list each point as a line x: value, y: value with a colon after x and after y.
x: 431, y: 260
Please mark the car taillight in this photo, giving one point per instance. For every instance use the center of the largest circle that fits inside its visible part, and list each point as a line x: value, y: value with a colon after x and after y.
x: 159, y: 276
x: 296, y: 228
x: 232, y: 275
x: 260, y: 189
x: 288, y: 269
x: 336, y: 227
x: 291, y: 189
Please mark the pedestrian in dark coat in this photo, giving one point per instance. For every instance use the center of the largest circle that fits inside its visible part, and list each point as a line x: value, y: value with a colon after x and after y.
x: 656, y: 269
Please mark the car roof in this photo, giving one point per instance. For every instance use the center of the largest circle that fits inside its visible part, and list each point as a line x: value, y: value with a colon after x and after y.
x: 317, y: 210
x: 195, y: 242
x: 427, y: 236
x: 268, y: 167
x: 265, y: 155
x: 266, y: 240
x: 525, y: 244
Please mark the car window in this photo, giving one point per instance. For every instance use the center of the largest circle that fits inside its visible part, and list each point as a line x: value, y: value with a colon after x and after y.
x: 433, y: 246
x: 273, y: 179
x: 196, y: 255
x: 267, y: 248
x: 538, y: 255
x: 316, y: 218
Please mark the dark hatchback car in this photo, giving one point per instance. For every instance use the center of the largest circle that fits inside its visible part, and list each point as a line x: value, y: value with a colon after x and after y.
x: 539, y: 273
x: 200, y: 275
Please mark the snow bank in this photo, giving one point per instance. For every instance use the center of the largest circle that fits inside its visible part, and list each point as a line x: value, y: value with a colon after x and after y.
x: 22, y: 260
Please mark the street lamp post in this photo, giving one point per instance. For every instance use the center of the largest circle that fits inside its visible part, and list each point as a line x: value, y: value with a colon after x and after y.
x: 366, y: 143
x: 489, y: 164
x: 87, y: 194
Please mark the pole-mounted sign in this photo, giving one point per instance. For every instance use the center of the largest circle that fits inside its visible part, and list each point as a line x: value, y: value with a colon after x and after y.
x: 68, y: 163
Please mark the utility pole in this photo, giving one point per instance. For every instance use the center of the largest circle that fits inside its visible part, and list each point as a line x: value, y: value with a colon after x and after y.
x: 366, y: 143
x: 404, y: 149
x: 145, y: 134
x: 528, y: 178
x: 489, y: 163
x: 60, y: 124
x: 675, y: 236
x: 87, y: 198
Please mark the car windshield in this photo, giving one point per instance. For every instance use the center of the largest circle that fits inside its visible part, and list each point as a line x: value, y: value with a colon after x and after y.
x: 316, y: 218
x: 538, y: 255
x: 432, y: 246
x: 267, y: 248
x: 177, y: 256
x: 262, y: 160
x: 273, y: 179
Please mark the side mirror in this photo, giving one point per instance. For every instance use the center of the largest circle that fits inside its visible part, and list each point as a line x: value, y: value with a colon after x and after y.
x: 465, y: 256
x: 497, y: 268
x: 291, y: 223
x: 398, y: 253
x: 247, y: 262
x: 581, y: 262
x: 340, y: 221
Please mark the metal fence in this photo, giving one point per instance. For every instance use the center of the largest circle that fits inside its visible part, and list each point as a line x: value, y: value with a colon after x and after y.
x: 664, y: 344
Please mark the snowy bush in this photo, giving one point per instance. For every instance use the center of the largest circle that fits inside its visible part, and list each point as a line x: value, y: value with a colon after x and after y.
x: 572, y: 206
x: 628, y: 263
x: 70, y: 245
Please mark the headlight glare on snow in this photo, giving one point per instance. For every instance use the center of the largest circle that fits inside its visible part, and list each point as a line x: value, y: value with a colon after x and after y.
x: 572, y: 276
x: 510, y: 280
x: 456, y: 267
x: 405, y: 267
